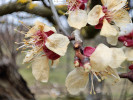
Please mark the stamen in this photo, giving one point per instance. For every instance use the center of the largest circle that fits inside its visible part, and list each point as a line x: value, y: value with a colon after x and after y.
x: 19, y: 31
x: 24, y: 25
x: 20, y: 47
x: 99, y: 80
x: 102, y: 78
x: 19, y: 43
x: 92, y: 85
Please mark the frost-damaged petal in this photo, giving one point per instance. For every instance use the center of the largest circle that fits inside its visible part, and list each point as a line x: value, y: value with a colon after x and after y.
x: 101, y: 58
x: 129, y: 54
x: 108, y: 30
x: 77, y: 19
x: 116, y: 5
x: 37, y: 26
x: 106, y: 3
x: 40, y: 68
x: 34, y: 29
x: 121, y: 18
x: 57, y: 43
x: 28, y: 57
x: 118, y: 57
x: 48, y: 28
x: 95, y: 14
x: 76, y: 81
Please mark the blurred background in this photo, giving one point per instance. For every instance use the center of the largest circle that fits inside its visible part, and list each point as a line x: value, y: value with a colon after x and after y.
x: 16, y: 79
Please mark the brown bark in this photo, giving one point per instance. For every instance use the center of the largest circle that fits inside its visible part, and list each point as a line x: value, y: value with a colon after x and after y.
x: 12, y: 85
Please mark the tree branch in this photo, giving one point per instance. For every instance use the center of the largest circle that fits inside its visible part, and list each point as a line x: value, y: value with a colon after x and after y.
x: 57, y: 18
x: 128, y: 75
x: 16, y: 7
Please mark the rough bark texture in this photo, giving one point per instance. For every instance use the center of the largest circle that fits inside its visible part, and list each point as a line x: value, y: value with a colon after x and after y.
x: 12, y: 85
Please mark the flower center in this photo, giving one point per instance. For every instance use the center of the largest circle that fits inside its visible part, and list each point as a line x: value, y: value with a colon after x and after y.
x: 50, y: 54
x: 107, y: 16
x: 76, y: 4
x: 41, y: 36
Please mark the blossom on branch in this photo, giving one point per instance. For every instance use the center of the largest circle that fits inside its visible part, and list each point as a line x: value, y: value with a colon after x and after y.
x: 109, y: 18
x: 77, y: 14
x: 43, y: 43
x: 103, y: 64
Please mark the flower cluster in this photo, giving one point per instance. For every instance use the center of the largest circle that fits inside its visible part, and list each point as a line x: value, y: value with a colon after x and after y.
x: 115, y: 24
x: 109, y: 18
x: 103, y: 64
x: 43, y: 44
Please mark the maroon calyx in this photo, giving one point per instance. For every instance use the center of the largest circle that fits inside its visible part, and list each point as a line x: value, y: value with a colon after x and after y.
x: 50, y: 54
x: 88, y: 51
x: 41, y: 40
x: 106, y: 16
x: 127, y: 40
x: 100, y: 24
x: 42, y: 36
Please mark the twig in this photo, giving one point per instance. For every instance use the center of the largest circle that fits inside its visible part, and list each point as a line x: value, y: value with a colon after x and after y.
x: 128, y: 75
x: 57, y: 18
x: 45, y: 4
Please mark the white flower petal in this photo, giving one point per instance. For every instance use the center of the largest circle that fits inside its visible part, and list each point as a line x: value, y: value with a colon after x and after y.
x: 36, y: 27
x: 121, y: 18
x: 46, y: 28
x: 116, y: 5
x: 77, y: 19
x: 29, y: 56
x: 108, y: 30
x: 40, y: 68
x: 57, y: 43
x: 101, y: 58
x: 106, y: 3
x: 118, y: 57
x: 129, y: 54
x: 76, y: 81
x: 95, y: 14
